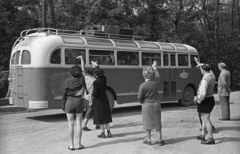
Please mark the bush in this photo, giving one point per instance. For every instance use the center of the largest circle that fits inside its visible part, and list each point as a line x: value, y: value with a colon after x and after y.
x: 3, y: 83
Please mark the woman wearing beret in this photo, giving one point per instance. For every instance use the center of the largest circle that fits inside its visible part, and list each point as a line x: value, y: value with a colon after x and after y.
x: 149, y: 97
x: 102, y: 114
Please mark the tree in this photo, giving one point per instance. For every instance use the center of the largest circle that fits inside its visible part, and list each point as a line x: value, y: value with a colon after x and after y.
x: 212, y: 27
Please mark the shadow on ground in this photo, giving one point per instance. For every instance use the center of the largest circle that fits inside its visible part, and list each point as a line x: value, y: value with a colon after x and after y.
x: 118, y: 112
x: 50, y: 118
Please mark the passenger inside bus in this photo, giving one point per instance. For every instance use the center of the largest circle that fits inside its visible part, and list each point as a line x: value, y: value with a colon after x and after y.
x: 68, y: 60
x: 127, y: 58
x: 56, y: 57
x: 110, y: 60
x: 146, y: 61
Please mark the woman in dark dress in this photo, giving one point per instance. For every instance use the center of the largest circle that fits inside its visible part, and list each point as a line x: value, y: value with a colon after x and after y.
x: 102, y: 114
x: 149, y: 97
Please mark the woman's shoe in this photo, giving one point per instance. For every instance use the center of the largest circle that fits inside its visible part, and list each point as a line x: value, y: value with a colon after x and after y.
x: 147, y: 142
x: 70, y: 148
x: 208, y: 141
x: 86, y: 129
x: 109, y: 133
x: 102, y: 135
x: 161, y: 143
x: 81, y: 147
x: 201, y: 137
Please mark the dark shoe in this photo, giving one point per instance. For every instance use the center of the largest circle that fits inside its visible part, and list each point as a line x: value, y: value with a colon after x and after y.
x: 81, y: 147
x: 208, y: 141
x: 86, y: 129
x: 224, y: 119
x: 109, y: 133
x: 201, y: 137
x: 97, y: 127
x: 161, y: 143
x: 70, y: 148
x: 102, y: 135
x: 147, y: 142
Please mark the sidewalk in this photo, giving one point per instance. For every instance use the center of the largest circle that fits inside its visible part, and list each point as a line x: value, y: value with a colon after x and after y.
x: 180, y: 128
x: 47, y: 132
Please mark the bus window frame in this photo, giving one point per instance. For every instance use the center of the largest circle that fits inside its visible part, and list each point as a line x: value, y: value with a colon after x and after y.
x: 72, y: 48
x: 99, y: 42
x: 19, y: 58
x: 126, y: 44
x: 187, y: 66
x: 151, y: 52
x: 25, y: 60
x: 163, y: 53
x: 170, y: 60
x: 100, y: 49
x: 193, y: 55
x: 121, y: 50
x: 61, y: 57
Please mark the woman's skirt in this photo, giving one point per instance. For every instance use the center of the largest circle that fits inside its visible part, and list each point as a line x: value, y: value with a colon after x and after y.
x: 151, y: 115
x: 206, y: 105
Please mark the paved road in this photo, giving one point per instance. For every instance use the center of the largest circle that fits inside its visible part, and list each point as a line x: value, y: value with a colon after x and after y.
x: 45, y: 132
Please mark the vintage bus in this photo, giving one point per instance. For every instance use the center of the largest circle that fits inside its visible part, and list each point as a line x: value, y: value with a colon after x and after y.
x: 41, y: 59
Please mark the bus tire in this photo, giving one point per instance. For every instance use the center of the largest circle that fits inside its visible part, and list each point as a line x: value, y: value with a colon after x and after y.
x: 110, y: 99
x: 187, y: 96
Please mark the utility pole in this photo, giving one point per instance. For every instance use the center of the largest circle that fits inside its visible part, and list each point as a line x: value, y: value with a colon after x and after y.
x: 44, y: 14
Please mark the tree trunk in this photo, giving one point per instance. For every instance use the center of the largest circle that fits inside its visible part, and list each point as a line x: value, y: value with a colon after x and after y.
x: 44, y: 21
x: 217, y: 31
x: 52, y: 14
x: 232, y: 23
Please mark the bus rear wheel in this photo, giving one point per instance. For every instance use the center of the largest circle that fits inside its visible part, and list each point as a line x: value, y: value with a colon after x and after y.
x: 187, y: 96
x: 110, y: 99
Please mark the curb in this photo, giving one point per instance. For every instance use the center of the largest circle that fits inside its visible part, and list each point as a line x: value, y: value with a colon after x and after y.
x: 4, y: 101
x: 5, y: 107
x: 12, y: 109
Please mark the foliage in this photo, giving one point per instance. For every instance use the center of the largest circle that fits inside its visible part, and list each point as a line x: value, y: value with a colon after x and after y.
x: 212, y: 27
x: 3, y: 83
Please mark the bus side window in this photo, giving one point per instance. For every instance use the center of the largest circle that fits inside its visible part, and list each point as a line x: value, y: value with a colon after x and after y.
x: 148, y: 58
x: 13, y: 60
x: 26, y: 57
x: 127, y: 58
x: 71, y: 56
x: 103, y: 57
x: 110, y: 60
x: 193, y: 62
x: 173, y: 59
x: 56, y: 57
x: 165, y: 59
x: 182, y: 60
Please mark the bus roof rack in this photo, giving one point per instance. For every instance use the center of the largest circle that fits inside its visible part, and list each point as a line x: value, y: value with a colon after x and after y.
x: 104, y: 32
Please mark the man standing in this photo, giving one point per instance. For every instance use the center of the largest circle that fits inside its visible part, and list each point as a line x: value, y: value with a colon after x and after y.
x: 224, y: 81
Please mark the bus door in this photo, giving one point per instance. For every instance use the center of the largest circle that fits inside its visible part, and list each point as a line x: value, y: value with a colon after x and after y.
x: 19, y: 85
x: 16, y: 80
x: 169, y: 76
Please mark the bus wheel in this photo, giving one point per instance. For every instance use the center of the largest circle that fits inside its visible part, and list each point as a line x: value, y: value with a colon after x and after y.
x: 110, y: 99
x: 187, y: 96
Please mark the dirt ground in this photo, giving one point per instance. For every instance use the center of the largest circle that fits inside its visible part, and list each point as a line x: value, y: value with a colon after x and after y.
x: 46, y: 132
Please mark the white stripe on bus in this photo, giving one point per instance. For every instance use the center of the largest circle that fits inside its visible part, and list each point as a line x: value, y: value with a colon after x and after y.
x: 38, y: 104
